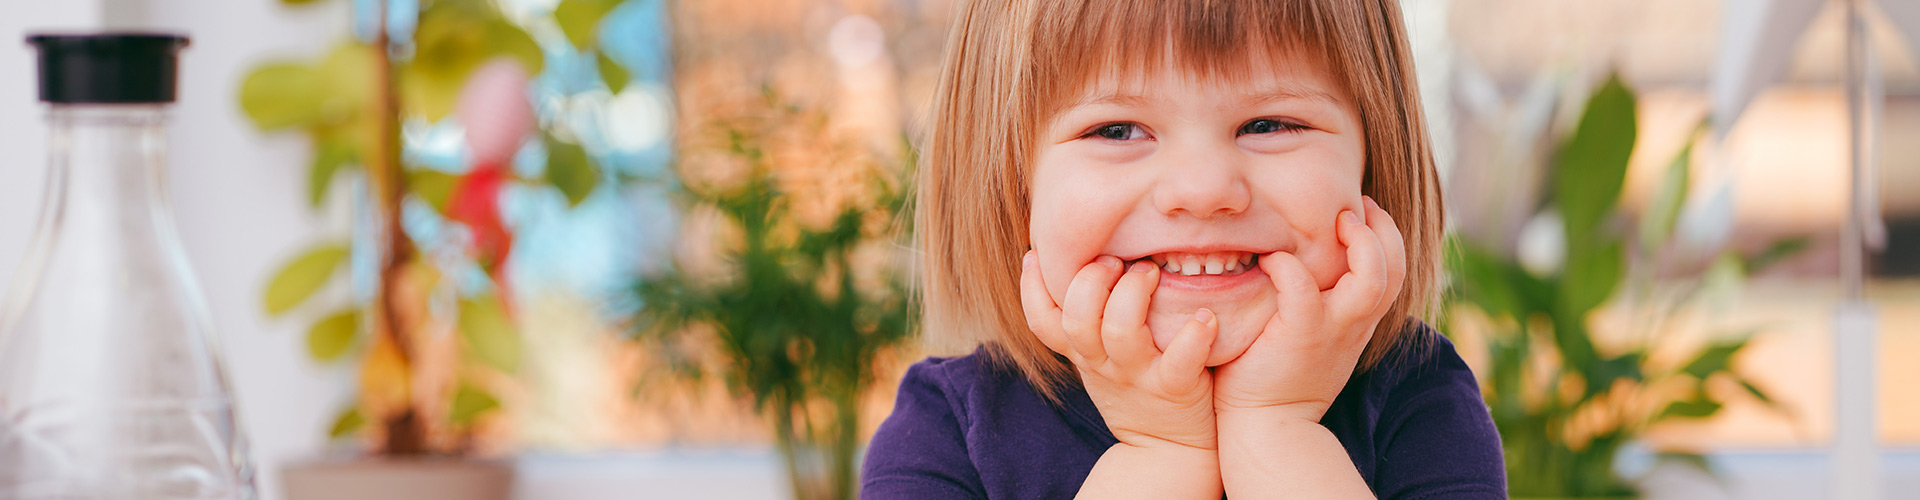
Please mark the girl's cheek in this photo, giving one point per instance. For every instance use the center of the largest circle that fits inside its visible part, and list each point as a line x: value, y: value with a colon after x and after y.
x: 1057, y: 256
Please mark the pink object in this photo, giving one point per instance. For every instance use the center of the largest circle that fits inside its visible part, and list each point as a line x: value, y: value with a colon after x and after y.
x: 495, y: 111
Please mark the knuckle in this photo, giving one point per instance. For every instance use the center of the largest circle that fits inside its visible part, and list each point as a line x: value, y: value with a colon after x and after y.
x: 1071, y: 325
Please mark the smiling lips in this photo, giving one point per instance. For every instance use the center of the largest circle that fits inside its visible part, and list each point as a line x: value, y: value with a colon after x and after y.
x: 1214, y: 263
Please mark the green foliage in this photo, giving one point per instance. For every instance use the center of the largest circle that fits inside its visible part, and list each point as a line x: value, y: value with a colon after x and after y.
x: 344, y: 102
x: 331, y: 157
x: 1562, y: 428
x: 453, y: 39
x: 1593, y: 163
x: 299, y: 279
x: 612, y: 73
x: 282, y: 95
x: 1663, y: 212
x: 571, y: 170
x: 580, y: 19
x: 329, y: 338
x: 470, y: 402
x: 348, y: 422
x: 489, y: 334
x: 797, y: 332
x: 433, y: 187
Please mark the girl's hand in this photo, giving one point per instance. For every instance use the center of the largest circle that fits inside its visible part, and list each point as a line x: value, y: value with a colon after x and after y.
x: 1310, y: 347
x: 1147, y: 397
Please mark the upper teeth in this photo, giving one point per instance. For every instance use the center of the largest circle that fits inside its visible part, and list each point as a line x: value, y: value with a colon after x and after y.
x: 1192, y: 264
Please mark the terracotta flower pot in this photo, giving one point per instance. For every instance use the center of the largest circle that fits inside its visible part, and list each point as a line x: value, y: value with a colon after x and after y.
x: 400, y: 479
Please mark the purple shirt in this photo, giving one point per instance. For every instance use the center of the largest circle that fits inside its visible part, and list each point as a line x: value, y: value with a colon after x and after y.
x: 962, y: 427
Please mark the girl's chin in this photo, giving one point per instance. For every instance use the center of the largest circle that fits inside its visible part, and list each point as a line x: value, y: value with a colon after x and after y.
x: 1241, y: 322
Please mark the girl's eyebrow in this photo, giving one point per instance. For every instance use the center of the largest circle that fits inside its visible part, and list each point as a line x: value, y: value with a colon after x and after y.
x: 1117, y: 99
x: 1286, y: 92
x: 1276, y: 93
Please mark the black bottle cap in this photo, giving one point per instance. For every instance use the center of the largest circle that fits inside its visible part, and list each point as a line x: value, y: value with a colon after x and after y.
x: 108, y: 68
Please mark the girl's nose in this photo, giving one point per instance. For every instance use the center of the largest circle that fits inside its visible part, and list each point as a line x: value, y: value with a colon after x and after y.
x: 1202, y: 181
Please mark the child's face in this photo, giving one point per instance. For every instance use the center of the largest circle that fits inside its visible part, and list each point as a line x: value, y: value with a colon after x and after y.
x: 1179, y: 169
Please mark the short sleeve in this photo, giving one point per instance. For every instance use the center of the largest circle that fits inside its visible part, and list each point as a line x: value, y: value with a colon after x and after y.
x: 920, y: 451
x: 1436, y: 438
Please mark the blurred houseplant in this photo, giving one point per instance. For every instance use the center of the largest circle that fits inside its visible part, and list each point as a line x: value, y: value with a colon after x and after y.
x: 1564, y: 403
x: 433, y: 332
x: 801, y: 295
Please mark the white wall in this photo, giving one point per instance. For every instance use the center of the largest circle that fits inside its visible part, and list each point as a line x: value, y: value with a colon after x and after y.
x: 239, y: 195
x: 22, y: 135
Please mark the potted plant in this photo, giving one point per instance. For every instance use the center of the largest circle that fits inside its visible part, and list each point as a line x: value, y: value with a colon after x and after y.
x: 800, y: 297
x: 432, y: 326
x: 1564, y: 399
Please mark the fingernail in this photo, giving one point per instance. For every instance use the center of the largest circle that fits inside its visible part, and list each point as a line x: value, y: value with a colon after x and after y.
x: 1370, y: 203
x: 1204, y: 316
x: 1110, y: 261
x: 1027, y: 262
x: 1140, y: 267
x: 1350, y: 216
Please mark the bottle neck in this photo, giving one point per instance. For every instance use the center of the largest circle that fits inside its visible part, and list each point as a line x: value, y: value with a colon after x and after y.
x: 107, y: 178
x: 107, y: 160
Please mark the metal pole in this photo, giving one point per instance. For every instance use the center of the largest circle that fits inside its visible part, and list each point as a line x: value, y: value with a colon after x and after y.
x: 1856, y: 464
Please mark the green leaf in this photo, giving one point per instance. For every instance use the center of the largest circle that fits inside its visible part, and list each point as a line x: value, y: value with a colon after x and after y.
x: 451, y: 41
x: 433, y: 187
x: 613, y: 73
x: 490, y: 334
x: 303, y: 276
x: 352, y: 72
x: 348, y: 422
x: 1592, y: 166
x: 1590, y: 278
x: 1604, y: 373
x: 329, y: 338
x: 504, y: 39
x: 1778, y: 251
x: 1716, y: 358
x: 1694, y: 408
x: 571, y: 170
x: 580, y: 19
x: 1754, y: 390
x: 1575, y: 343
x: 299, y: 2
x: 470, y: 402
x: 277, y: 96
x: 1663, y: 211
x: 327, y: 159
x: 1761, y: 395
x: 428, y: 92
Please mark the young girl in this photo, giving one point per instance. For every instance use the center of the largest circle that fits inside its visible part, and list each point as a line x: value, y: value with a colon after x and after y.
x: 1190, y: 236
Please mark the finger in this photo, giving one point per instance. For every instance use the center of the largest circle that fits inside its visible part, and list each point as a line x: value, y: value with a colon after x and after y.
x: 1043, y: 316
x: 1393, y: 243
x: 1361, y: 291
x: 1124, y: 329
x: 1187, y: 354
x: 1301, y: 307
x: 1085, y: 304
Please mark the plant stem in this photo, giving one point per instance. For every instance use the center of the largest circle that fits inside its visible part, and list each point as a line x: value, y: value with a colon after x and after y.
x: 845, y: 429
x: 406, y: 434
x: 789, y: 453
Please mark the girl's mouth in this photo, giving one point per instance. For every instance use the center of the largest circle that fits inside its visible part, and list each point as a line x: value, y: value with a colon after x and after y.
x: 1205, y: 264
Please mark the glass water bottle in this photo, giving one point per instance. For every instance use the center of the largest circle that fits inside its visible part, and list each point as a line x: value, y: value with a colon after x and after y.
x: 111, y: 385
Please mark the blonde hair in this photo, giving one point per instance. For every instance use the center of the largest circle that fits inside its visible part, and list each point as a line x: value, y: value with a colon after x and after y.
x: 1011, y: 64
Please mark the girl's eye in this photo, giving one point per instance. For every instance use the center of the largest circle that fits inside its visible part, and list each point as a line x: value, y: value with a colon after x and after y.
x: 1268, y: 126
x: 1118, y: 132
